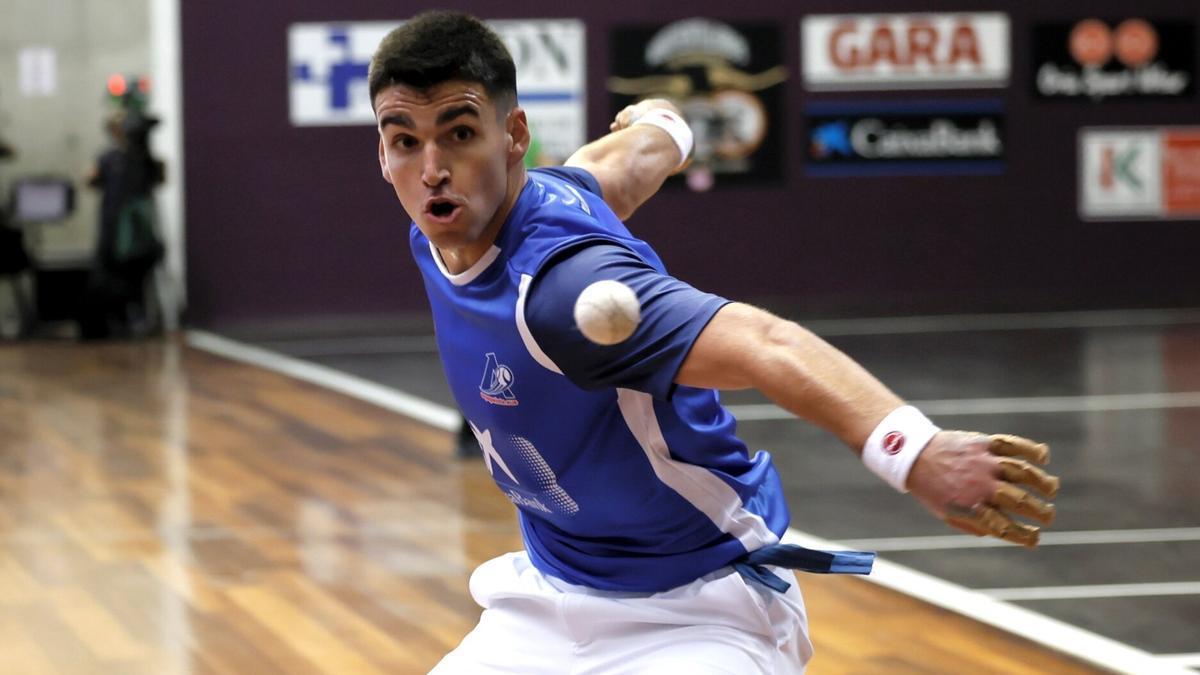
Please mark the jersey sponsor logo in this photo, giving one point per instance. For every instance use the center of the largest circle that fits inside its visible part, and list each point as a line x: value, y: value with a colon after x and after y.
x: 490, y: 454
x: 893, y: 442
x: 519, y: 499
x: 542, y: 481
x: 544, y: 478
x: 574, y: 198
x: 496, y: 386
x: 569, y: 198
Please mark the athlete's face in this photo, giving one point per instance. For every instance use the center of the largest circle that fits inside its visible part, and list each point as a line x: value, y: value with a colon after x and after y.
x: 454, y: 160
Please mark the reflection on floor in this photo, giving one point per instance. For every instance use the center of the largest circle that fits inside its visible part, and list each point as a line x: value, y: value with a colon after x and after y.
x: 167, y: 512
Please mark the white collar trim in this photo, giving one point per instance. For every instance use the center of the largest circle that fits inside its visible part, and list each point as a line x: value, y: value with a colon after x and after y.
x: 471, y: 273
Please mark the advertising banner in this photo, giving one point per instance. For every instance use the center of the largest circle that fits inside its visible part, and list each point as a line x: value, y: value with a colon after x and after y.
x: 936, y: 137
x: 1130, y: 58
x: 1139, y: 173
x: 328, y: 76
x: 905, y: 51
x: 725, y: 77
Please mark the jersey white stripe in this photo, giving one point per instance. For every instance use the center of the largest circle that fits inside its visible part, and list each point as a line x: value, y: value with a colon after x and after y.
x: 708, y: 493
x: 523, y: 328
x: 470, y: 274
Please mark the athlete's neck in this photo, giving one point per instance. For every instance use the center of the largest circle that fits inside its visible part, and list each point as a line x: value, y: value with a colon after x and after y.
x: 459, y: 260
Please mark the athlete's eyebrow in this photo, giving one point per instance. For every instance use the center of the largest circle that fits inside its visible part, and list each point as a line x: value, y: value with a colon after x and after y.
x: 443, y: 117
x: 453, y: 113
x: 400, y: 120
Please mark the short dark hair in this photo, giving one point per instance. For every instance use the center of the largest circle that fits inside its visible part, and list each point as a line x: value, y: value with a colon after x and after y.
x: 436, y: 47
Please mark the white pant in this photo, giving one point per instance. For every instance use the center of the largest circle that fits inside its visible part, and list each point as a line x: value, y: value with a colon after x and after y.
x: 718, y: 624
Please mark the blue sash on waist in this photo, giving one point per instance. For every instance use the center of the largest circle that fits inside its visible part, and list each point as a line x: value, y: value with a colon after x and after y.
x: 752, y: 566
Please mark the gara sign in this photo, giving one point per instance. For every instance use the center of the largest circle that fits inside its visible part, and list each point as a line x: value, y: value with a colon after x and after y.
x: 905, y: 51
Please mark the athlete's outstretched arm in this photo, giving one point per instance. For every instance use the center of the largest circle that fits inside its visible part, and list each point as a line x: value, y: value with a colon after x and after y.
x: 967, y: 479
x: 744, y: 347
x: 632, y: 162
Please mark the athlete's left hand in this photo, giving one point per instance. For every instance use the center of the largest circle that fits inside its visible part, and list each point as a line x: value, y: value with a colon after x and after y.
x: 973, y: 482
x: 631, y: 113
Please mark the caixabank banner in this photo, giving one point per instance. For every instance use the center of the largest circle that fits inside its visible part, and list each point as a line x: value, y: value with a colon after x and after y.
x: 1097, y: 59
x: 921, y: 137
x: 725, y: 77
x: 1139, y: 173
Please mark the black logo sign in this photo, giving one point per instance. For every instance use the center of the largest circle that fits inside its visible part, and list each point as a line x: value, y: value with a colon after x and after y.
x: 910, y: 137
x: 726, y: 78
x: 1127, y: 58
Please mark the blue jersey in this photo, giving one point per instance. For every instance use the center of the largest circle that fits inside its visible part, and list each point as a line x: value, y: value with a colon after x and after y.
x: 632, y: 484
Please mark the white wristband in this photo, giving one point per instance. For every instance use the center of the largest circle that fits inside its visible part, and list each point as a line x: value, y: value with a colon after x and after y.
x: 673, y: 124
x: 896, y: 443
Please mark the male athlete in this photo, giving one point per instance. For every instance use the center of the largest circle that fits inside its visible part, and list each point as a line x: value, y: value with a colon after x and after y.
x: 651, y: 533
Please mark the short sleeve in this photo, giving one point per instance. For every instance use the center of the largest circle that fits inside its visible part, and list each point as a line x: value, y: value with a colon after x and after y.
x: 673, y: 314
x: 580, y: 178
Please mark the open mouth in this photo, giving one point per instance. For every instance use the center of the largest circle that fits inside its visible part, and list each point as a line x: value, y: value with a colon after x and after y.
x: 442, y: 209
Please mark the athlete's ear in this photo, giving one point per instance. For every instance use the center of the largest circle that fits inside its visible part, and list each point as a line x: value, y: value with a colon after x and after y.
x: 383, y: 167
x: 517, y: 130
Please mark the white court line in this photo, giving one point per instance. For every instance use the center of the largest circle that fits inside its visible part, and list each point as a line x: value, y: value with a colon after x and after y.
x: 1094, y: 591
x: 1080, y: 537
x: 372, y: 531
x: 951, y: 323
x: 1186, y: 660
x: 361, y: 346
x: 1009, y: 406
x: 425, y: 344
x: 1053, y: 634
x: 433, y: 414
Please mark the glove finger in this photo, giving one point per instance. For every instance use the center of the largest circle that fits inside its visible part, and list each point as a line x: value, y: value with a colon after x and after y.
x: 1018, y: 471
x: 992, y: 522
x: 1002, y: 527
x: 1011, y: 498
x: 966, y: 525
x: 965, y: 519
x: 1007, y: 445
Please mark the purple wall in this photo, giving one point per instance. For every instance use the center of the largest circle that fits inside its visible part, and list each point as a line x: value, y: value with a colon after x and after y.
x: 286, y: 222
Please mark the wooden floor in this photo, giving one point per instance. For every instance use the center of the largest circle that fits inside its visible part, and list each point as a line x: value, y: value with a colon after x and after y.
x: 164, y: 511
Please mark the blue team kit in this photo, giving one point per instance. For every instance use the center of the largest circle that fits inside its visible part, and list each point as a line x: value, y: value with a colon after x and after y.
x: 628, y: 484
